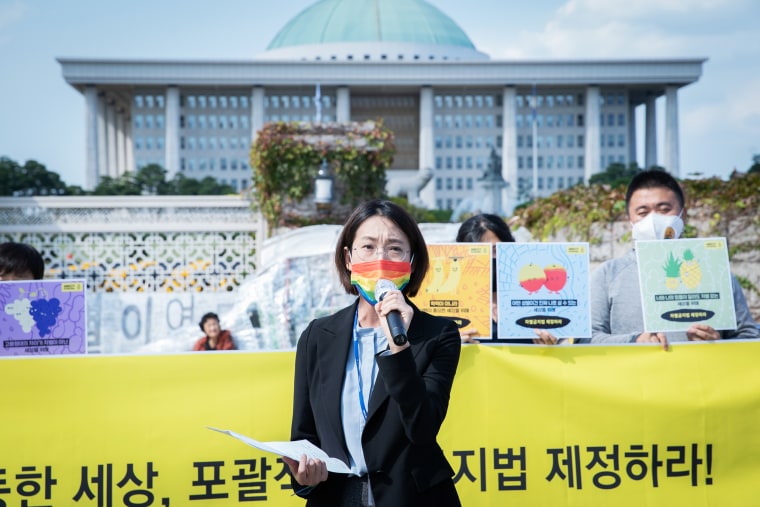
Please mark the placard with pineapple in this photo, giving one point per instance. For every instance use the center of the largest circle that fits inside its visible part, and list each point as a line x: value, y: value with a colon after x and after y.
x: 685, y: 282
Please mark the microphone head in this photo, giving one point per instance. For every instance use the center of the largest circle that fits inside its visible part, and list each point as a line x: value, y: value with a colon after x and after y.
x: 382, y: 287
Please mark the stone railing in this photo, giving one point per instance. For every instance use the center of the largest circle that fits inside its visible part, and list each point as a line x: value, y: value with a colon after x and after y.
x: 142, y: 243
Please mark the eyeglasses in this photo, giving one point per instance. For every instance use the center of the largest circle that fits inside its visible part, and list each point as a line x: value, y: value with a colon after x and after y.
x: 367, y: 253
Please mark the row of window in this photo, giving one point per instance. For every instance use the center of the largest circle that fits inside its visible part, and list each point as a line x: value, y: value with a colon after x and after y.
x: 466, y: 121
x: 448, y: 121
x: 213, y: 121
x: 460, y: 162
x: 552, y: 162
x: 524, y: 184
x: 274, y: 118
x: 606, y: 99
x: 213, y: 143
x: 296, y: 101
x: 562, y: 162
x: 550, y: 120
x: 440, y: 101
x: 527, y: 183
x: 466, y: 141
x: 148, y: 121
x: 214, y: 101
x: 541, y: 100
x: 560, y: 141
x: 451, y: 183
x: 149, y: 101
x: 456, y: 121
x: 148, y: 143
x: 525, y: 101
x: 611, y: 120
x: 466, y: 101
x: 202, y: 164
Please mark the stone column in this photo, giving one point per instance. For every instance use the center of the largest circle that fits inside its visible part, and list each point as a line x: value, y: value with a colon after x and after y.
x: 111, y: 139
x: 343, y: 104
x: 427, y: 147
x: 172, y: 133
x: 257, y: 111
x: 650, y: 133
x: 121, y: 143
x: 129, y: 155
x: 509, y: 148
x: 91, y: 176
x: 102, y: 150
x: 632, y: 153
x: 592, y: 151
x: 672, y: 163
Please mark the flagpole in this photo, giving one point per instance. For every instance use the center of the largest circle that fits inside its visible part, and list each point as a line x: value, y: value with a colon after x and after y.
x: 318, y: 105
x: 535, y: 145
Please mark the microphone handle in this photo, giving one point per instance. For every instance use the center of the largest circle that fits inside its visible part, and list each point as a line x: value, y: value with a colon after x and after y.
x: 396, y: 325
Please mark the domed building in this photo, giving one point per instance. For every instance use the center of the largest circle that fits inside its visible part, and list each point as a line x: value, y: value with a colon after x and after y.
x: 553, y: 123
x: 351, y: 30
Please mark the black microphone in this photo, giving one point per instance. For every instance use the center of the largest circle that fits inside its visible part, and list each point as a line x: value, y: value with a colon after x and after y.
x: 395, y: 322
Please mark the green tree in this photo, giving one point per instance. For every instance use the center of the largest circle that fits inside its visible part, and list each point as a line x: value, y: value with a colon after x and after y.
x: 209, y: 186
x: 152, y: 180
x: 182, y: 185
x: 287, y: 156
x: 32, y: 178
x: 126, y: 184
x: 615, y: 175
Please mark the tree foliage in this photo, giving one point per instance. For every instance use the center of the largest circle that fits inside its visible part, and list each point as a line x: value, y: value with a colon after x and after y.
x: 151, y: 180
x: 34, y: 179
x: 31, y: 179
x: 615, y: 175
x: 579, y: 207
x: 286, y: 158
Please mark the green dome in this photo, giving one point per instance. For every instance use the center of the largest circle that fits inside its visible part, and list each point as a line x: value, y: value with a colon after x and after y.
x: 362, y: 21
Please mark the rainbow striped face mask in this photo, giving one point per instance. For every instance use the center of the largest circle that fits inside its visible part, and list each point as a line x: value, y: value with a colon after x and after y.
x: 364, y: 276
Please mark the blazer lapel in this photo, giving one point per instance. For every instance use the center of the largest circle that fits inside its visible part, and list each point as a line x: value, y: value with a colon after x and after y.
x: 379, y: 393
x: 334, y: 348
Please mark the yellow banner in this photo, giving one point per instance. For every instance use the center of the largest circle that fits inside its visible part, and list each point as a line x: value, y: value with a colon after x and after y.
x: 527, y: 425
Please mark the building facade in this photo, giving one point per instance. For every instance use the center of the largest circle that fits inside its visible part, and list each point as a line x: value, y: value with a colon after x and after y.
x: 554, y: 123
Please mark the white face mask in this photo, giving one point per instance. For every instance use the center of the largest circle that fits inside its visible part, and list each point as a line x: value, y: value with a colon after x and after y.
x: 658, y: 226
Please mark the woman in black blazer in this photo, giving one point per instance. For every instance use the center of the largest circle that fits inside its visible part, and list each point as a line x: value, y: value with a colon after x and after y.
x: 375, y: 402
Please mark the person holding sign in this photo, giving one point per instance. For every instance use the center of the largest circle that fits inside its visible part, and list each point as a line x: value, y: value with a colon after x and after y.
x: 19, y: 261
x: 373, y: 381
x: 655, y: 204
x: 489, y: 228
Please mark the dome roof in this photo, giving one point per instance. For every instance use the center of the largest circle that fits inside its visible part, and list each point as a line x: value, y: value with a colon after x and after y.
x: 334, y: 29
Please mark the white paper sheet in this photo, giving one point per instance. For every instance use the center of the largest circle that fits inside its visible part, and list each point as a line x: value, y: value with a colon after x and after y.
x: 294, y: 450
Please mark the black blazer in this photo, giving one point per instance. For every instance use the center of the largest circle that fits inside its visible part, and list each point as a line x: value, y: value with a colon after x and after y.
x: 406, y: 409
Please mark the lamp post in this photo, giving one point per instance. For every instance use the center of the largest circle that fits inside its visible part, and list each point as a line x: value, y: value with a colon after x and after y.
x: 323, y: 188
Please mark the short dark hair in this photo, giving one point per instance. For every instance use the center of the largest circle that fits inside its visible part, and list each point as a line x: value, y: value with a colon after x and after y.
x: 404, y: 221
x: 654, y: 178
x: 474, y: 227
x: 206, y: 317
x: 20, y: 258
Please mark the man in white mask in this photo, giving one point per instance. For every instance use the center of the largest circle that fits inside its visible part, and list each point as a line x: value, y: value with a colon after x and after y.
x: 655, y: 206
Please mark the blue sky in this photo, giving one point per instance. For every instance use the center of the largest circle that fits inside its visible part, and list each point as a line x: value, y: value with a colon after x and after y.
x: 42, y: 118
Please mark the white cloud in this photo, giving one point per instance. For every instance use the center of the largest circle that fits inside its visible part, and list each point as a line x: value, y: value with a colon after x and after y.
x: 642, y: 28
x: 636, y: 9
x: 739, y: 108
